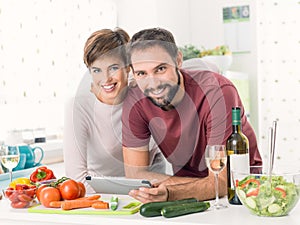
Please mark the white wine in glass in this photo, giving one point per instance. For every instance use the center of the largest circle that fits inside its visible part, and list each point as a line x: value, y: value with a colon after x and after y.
x: 10, y: 157
x: 216, y: 159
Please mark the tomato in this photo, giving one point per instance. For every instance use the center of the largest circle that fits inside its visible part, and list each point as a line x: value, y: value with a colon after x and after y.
x: 254, y: 181
x: 69, y: 189
x: 82, y: 189
x: 283, y: 193
x: 49, y: 194
x: 252, y: 192
x: 38, y: 191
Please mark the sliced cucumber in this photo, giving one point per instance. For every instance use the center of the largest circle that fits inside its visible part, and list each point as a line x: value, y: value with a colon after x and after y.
x: 250, y: 202
x: 241, y: 194
x: 265, y: 202
x: 274, y: 208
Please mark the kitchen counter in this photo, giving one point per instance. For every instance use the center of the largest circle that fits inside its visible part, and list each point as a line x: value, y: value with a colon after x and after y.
x: 233, y: 215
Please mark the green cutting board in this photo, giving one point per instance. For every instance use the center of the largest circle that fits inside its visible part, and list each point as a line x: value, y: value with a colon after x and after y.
x: 126, y: 206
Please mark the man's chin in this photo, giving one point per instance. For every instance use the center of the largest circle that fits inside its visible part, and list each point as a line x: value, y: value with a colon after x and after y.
x: 161, y: 103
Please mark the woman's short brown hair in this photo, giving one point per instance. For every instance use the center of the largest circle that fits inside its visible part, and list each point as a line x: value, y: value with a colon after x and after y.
x: 106, y: 41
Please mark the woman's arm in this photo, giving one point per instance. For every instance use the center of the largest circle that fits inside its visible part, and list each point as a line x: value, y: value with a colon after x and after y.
x: 75, y: 145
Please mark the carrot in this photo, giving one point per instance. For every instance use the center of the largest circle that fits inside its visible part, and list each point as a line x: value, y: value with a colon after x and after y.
x: 91, y: 197
x: 100, y: 205
x: 58, y: 204
x: 55, y: 204
x: 77, y: 203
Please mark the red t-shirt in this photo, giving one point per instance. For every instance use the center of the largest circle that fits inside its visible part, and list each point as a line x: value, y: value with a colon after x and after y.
x: 202, y: 117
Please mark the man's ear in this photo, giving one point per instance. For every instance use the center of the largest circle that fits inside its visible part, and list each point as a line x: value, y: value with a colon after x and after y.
x: 179, y: 59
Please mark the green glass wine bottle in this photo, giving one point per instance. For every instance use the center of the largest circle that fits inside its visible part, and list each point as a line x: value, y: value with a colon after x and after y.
x: 237, y: 146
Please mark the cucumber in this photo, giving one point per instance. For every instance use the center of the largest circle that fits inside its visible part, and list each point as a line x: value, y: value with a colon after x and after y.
x: 250, y: 202
x: 274, y: 208
x: 152, y: 209
x: 184, y: 209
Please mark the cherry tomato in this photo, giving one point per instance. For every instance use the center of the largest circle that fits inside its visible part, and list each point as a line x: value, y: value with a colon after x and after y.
x: 14, y: 197
x: 9, y: 192
x: 19, y: 205
x: 49, y: 194
x: 82, y: 189
x: 24, y: 198
x: 22, y: 187
x: 69, y: 189
x: 31, y: 191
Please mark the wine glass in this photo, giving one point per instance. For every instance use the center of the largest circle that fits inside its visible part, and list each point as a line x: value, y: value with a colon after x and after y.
x: 216, y: 159
x: 10, y: 157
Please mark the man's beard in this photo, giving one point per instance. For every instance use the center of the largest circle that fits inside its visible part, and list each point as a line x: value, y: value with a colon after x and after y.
x: 165, y: 103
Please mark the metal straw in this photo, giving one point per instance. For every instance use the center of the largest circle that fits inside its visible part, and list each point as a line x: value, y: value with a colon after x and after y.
x: 273, y: 144
x: 270, y: 152
x: 272, y: 141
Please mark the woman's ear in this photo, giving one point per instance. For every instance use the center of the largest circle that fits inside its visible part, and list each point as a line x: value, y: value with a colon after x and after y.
x: 179, y: 59
x: 127, y: 69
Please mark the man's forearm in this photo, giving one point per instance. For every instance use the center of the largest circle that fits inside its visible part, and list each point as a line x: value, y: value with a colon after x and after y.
x: 156, y: 178
x: 200, y: 188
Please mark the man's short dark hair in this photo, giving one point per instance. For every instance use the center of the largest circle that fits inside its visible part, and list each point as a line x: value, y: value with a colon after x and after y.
x: 153, y: 37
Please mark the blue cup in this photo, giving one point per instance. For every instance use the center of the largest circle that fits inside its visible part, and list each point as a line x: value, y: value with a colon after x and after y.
x: 31, y: 155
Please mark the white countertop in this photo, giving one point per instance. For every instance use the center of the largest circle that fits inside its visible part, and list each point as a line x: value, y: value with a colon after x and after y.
x: 233, y: 215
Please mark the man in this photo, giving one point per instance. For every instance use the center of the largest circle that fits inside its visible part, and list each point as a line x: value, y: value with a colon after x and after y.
x: 184, y: 110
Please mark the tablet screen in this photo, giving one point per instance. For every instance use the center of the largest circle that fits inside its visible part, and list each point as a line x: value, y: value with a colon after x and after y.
x: 116, y: 185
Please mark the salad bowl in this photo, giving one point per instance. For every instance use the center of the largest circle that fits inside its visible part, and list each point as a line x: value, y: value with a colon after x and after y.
x: 266, y: 195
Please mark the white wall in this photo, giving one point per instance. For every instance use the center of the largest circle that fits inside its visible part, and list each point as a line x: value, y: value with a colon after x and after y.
x: 279, y: 78
x: 41, y: 57
x: 135, y: 15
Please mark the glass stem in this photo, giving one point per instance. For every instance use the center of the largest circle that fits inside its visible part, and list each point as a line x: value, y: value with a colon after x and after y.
x: 217, y: 188
x: 10, y: 175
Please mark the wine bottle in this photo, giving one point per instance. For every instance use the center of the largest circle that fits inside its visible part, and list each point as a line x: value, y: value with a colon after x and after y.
x: 237, y: 146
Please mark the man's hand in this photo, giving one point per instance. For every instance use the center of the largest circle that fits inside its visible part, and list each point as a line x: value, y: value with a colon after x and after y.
x: 155, y: 194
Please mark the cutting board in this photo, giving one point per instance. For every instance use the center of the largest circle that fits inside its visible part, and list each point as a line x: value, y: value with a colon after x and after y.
x: 126, y: 206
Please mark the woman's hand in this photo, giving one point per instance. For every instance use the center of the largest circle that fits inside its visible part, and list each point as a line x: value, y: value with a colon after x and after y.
x: 155, y: 194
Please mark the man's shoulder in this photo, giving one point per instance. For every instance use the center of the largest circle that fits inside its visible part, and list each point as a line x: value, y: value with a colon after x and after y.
x: 205, y: 78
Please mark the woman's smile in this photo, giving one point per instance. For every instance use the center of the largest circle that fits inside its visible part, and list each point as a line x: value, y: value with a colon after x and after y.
x: 109, y: 87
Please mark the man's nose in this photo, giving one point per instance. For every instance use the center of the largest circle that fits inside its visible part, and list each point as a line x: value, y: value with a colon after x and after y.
x: 152, y: 82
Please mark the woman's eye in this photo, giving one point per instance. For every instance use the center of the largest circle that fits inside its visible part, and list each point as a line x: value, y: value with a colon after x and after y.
x: 113, y: 68
x: 96, y: 70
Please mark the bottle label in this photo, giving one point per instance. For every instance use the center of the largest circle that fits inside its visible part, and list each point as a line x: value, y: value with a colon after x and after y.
x: 240, y: 163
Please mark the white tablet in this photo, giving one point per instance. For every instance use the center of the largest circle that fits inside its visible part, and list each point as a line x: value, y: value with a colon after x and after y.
x: 116, y: 185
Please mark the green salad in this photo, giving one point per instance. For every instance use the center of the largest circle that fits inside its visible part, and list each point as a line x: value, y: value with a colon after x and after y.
x: 265, y: 198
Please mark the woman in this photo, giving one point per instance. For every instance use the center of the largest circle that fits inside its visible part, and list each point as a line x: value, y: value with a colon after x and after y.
x: 92, y: 129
